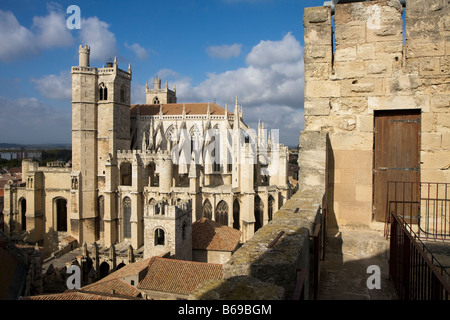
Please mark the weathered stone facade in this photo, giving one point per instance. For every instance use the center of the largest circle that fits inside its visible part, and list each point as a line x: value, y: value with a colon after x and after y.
x: 370, y: 69
x: 373, y: 66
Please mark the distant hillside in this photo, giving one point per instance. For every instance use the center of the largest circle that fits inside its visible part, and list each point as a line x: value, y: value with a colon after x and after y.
x: 35, y: 146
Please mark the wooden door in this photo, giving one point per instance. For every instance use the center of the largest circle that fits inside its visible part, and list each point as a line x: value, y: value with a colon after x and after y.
x: 396, y: 164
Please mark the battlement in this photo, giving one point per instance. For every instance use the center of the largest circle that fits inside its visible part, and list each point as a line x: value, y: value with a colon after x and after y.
x: 129, y: 154
x: 169, y: 209
x: 84, y: 70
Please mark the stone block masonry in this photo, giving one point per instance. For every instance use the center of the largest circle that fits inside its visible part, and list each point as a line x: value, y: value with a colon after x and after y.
x: 375, y: 65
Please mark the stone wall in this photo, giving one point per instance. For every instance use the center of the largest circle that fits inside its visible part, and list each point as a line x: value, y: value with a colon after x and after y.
x: 372, y: 65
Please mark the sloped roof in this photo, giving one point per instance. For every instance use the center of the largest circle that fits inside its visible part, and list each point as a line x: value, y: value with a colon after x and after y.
x: 127, y: 270
x: 107, y: 287
x: 211, y: 235
x: 177, y: 109
x: 178, y: 276
x: 74, y: 295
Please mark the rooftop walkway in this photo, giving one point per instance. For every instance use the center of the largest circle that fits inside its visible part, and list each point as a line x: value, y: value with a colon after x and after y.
x: 350, y: 252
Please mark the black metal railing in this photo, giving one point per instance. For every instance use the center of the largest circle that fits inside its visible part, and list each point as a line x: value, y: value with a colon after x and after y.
x: 425, y: 205
x: 416, y: 274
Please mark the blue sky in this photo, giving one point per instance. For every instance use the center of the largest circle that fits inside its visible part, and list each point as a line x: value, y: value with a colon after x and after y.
x: 212, y: 50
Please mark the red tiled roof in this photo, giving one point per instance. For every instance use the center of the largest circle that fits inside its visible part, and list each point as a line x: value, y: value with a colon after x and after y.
x: 177, y: 109
x: 211, y: 235
x: 128, y: 270
x: 178, y: 276
x: 107, y: 287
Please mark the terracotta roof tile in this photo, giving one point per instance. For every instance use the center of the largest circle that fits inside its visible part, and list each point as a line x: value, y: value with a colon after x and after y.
x: 74, y: 295
x: 177, y: 109
x: 107, y: 287
x: 211, y: 235
x: 178, y: 276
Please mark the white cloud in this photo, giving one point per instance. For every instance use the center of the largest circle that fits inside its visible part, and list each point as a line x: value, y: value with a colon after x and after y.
x: 272, y: 76
x: 224, y: 51
x: 16, y: 40
x: 28, y: 120
x: 96, y: 34
x: 52, y: 31
x: 53, y: 86
x: 137, y: 93
x: 46, y: 32
x: 270, y: 87
x: 269, y: 53
x: 138, y: 50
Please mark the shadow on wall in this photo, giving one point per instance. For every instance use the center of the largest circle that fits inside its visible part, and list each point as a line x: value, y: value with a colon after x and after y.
x: 331, y: 215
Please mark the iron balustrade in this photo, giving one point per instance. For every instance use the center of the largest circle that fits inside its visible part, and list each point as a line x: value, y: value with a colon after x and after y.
x: 424, y: 205
x: 416, y: 274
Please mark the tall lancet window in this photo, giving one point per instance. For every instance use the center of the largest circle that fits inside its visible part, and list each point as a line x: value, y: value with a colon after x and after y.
x: 159, y: 237
x: 102, y: 92
x: 127, y: 217
x: 122, y: 94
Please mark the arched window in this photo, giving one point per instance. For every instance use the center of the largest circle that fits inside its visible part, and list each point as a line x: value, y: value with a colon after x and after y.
x: 125, y: 174
x: 216, y: 151
x: 102, y: 92
x: 195, y: 139
x: 183, y: 231
x: 236, y: 214
x: 104, y: 269
x: 122, y: 94
x: 207, y: 209
x: 159, y: 237
x: 222, y: 213
x: 153, y: 177
x: 156, y: 100
x: 101, y: 213
x: 169, y: 137
x: 60, y: 205
x: 127, y: 217
x: 259, y: 213
x: 23, y: 211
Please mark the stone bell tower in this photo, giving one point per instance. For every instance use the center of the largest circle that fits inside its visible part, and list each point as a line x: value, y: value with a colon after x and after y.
x: 100, y: 127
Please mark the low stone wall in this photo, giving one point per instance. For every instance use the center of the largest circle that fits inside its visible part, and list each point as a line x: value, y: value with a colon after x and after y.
x: 262, y: 269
